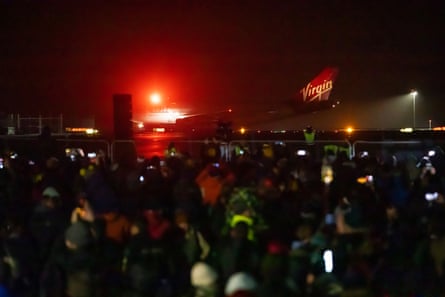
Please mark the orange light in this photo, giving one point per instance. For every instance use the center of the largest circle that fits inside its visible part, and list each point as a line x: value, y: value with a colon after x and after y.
x: 242, y: 130
x: 362, y: 180
x: 349, y: 130
x: 81, y: 130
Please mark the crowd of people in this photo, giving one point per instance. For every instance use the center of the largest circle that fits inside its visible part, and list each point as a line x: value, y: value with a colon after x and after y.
x: 264, y: 223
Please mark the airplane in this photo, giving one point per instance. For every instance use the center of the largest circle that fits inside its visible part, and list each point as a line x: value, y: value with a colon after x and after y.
x: 312, y: 97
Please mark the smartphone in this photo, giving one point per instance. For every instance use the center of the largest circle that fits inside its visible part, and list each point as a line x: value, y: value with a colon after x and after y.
x: 329, y: 219
x: 431, y: 196
x: 301, y: 153
x: 364, y: 154
x: 92, y: 155
x: 328, y: 259
x: 296, y: 244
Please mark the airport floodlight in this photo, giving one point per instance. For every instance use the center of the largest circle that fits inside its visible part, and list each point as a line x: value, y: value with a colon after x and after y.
x: 414, y: 94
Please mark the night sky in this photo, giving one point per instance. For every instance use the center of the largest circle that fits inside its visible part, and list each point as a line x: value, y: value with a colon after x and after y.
x: 70, y: 57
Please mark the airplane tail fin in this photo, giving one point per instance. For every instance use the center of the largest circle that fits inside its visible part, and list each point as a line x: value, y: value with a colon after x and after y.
x: 319, y: 88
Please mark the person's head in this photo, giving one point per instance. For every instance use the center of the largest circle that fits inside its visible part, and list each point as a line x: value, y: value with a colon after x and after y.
x: 239, y: 231
x: 137, y: 227
x: 203, y: 275
x: 50, y: 197
x: 77, y: 236
x: 240, y: 284
x: 391, y: 213
x: 182, y: 220
x: 81, y: 199
x: 304, y: 231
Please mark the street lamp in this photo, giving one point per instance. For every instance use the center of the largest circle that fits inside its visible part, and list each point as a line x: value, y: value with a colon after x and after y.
x: 414, y: 94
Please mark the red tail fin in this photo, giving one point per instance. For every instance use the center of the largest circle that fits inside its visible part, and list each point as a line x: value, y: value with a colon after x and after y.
x: 320, y: 87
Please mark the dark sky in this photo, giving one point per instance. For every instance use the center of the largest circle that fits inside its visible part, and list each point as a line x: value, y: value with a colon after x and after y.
x: 70, y: 57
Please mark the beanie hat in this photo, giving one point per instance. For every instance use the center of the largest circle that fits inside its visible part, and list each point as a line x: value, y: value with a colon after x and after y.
x: 240, y: 281
x: 203, y: 275
x: 79, y: 234
x: 50, y: 192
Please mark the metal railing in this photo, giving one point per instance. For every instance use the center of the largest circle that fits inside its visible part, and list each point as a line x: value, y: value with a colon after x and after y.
x: 193, y: 147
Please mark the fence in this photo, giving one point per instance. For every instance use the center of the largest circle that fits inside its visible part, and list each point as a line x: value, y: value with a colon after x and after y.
x: 128, y: 150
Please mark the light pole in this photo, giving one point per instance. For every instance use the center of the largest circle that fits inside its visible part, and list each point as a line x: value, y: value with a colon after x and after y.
x: 414, y: 94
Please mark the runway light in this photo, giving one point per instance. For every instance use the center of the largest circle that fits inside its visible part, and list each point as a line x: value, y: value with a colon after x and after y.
x: 406, y: 130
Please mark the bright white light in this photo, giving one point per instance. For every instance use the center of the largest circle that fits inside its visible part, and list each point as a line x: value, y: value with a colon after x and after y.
x: 91, y: 131
x: 167, y: 116
x: 328, y: 261
x: 301, y: 153
x: 414, y: 93
x: 406, y: 130
x: 431, y: 153
x: 155, y: 98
